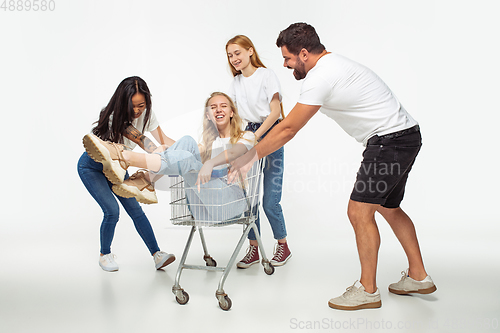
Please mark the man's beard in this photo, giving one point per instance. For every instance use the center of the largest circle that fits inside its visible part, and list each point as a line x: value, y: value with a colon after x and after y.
x: 299, y: 71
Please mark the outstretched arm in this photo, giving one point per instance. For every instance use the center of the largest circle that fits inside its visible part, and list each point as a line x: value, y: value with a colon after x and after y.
x: 275, y: 139
x: 160, y: 136
x: 275, y: 107
x: 134, y: 135
x: 226, y: 156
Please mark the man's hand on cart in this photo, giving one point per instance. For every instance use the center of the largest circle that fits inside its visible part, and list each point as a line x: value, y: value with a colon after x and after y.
x: 241, y: 166
x: 205, y: 174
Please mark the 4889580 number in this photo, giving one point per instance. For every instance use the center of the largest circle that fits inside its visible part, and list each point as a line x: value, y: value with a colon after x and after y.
x: 28, y: 5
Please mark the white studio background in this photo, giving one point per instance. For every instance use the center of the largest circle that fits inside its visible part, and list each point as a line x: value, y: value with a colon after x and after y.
x: 59, y: 68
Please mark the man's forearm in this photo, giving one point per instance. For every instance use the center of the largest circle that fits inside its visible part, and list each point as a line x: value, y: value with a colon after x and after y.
x: 286, y: 130
x: 274, y: 140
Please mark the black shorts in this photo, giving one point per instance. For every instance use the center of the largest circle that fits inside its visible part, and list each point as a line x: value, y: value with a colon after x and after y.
x: 387, y: 160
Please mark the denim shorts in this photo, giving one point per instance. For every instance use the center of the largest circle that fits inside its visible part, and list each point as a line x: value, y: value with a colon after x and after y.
x: 387, y: 161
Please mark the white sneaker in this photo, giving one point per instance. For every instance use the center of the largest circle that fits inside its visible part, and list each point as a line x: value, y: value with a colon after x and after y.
x: 356, y: 298
x: 162, y: 259
x: 407, y: 285
x: 108, y: 263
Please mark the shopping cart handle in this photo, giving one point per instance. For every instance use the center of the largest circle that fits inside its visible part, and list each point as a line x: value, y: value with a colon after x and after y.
x: 217, y: 173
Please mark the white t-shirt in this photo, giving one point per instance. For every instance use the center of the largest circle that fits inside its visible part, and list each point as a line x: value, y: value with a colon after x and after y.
x: 138, y: 123
x: 221, y: 144
x: 355, y: 97
x: 253, y: 94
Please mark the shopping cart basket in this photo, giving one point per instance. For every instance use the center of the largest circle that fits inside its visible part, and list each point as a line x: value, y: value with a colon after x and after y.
x: 217, y: 204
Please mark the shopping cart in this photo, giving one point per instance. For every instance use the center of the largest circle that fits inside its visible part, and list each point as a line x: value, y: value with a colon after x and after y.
x: 217, y: 204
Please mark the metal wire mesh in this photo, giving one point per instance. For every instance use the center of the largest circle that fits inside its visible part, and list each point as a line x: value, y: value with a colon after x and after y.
x: 217, y: 203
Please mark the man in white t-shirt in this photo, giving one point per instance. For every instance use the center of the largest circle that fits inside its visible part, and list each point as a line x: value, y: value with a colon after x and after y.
x: 362, y: 104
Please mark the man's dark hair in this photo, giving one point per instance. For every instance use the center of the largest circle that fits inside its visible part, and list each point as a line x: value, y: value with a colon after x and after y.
x: 300, y: 36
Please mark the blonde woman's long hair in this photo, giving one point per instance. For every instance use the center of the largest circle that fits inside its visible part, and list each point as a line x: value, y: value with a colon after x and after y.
x: 210, y: 131
x: 246, y: 43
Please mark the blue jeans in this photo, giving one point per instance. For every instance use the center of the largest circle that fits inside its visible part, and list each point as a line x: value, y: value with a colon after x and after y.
x: 216, y: 201
x: 273, y: 184
x: 99, y: 187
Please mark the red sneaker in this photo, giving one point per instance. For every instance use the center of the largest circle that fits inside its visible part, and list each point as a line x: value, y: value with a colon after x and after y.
x: 281, y: 254
x: 252, y: 257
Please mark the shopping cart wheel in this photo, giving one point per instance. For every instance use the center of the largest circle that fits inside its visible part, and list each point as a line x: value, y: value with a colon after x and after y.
x: 183, y: 299
x: 225, y: 303
x: 269, y: 269
x: 210, y: 262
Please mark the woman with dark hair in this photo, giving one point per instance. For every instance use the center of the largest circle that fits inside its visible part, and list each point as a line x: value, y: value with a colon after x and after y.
x: 124, y: 120
x: 222, y: 141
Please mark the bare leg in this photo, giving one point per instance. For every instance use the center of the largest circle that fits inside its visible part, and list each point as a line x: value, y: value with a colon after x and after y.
x: 362, y: 217
x: 140, y: 160
x: 404, y: 230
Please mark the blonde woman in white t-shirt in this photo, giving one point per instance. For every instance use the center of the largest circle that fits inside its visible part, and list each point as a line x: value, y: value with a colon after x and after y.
x: 257, y: 94
x: 223, y: 140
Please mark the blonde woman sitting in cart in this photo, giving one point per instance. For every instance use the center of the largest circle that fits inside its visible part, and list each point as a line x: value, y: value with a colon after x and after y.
x: 223, y: 140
